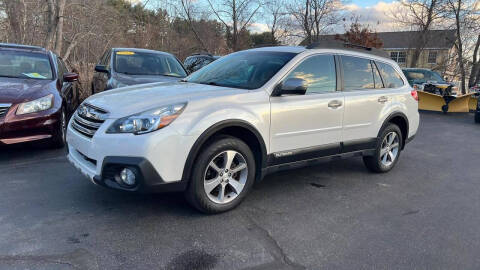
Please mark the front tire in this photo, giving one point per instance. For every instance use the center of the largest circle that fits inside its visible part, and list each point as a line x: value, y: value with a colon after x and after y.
x: 59, y: 139
x: 387, y: 151
x: 222, y: 176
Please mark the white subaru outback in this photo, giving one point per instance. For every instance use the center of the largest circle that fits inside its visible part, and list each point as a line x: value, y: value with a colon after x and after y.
x: 215, y: 133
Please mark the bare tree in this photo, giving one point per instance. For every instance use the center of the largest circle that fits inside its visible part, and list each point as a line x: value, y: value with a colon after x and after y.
x: 475, y: 72
x: 236, y: 16
x: 464, y: 18
x: 314, y: 17
x: 419, y: 15
x: 275, y: 15
x: 360, y: 35
x: 188, y: 12
x: 16, y: 17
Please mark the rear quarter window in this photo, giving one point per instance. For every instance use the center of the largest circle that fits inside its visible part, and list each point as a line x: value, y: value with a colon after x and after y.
x: 390, y: 76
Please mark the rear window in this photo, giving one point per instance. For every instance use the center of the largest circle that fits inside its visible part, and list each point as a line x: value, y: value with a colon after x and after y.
x: 391, y: 77
x: 417, y: 76
x: 20, y: 64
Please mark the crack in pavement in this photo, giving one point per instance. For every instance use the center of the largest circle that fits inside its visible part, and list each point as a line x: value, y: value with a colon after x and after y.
x: 77, y: 259
x: 272, y: 246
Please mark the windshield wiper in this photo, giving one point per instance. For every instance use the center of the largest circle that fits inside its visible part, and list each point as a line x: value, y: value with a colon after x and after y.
x: 9, y: 76
x: 170, y: 75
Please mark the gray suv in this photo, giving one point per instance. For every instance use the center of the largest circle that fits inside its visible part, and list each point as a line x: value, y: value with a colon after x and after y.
x: 120, y: 67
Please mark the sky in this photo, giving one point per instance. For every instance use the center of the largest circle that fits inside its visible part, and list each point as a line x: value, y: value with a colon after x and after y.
x: 367, y: 3
x: 376, y: 14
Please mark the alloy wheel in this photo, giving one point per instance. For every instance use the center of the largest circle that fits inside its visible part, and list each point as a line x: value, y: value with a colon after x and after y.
x: 389, y: 149
x: 225, y: 176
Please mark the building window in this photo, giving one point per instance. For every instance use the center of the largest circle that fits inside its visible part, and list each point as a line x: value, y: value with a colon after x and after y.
x: 399, y: 57
x: 432, y: 57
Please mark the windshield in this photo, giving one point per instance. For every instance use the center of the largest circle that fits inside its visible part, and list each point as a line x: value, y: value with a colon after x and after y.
x: 246, y: 70
x: 140, y: 63
x: 19, y: 64
x: 423, y: 76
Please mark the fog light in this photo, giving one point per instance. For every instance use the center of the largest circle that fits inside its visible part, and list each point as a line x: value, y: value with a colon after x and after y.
x: 127, y: 176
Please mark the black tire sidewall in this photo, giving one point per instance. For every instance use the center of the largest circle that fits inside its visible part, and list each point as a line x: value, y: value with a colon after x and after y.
x: 196, y: 194
x: 59, y: 138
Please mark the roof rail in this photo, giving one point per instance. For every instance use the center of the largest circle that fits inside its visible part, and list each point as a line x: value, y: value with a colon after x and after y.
x: 347, y: 46
x: 20, y: 46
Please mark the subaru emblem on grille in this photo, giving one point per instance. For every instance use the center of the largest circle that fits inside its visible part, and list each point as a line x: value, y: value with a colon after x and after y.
x: 88, y: 119
x: 88, y: 111
x: 82, y: 110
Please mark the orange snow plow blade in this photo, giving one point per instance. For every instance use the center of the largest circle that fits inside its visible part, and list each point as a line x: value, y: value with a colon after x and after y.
x: 460, y: 104
x: 472, y: 103
x: 430, y: 102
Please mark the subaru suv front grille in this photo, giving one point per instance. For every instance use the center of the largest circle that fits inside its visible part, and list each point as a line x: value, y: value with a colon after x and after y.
x: 4, y: 109
x: 88, y: 119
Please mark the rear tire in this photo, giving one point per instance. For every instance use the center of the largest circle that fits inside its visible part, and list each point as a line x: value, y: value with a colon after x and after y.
x: 387, y: 152
x: 477, y: 117
x: 222, y: 176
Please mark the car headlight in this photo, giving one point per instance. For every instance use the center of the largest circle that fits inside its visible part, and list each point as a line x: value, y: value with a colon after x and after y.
x: 147, y: 121
x: 37, y: 105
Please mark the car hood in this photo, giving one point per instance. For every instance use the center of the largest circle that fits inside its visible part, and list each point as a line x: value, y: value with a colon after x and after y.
x: 140, y: 79
x: 16, y: 90
x: 130, y: 100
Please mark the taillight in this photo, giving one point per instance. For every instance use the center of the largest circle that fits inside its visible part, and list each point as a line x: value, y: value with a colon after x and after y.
x: 414, y: 94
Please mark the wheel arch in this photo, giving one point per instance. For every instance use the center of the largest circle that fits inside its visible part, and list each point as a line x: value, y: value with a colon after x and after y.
x: 401, y: 120
x: 235, y: 128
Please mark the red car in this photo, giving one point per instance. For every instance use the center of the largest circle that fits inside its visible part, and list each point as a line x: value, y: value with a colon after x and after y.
x: 37, y: 95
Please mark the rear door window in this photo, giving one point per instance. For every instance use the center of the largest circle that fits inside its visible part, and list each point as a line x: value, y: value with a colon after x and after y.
x: 390, y: 76
x: 357, y: 73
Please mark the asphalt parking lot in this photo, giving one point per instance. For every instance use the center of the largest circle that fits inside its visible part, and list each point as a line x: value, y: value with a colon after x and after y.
x: 425, y: 214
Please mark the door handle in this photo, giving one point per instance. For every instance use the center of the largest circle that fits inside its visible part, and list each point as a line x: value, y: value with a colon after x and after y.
x: 334, y: 104
x: 382, y: 99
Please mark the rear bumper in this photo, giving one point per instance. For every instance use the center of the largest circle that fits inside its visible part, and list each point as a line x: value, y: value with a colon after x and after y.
x: 32, y: 127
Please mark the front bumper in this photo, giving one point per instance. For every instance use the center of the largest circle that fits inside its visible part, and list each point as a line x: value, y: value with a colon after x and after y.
x: 30, y: 127
x: 159, y: 158
x: 147, y: 179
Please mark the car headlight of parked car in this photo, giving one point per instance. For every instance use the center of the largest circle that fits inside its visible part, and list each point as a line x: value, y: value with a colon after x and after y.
x: 147, y: 121
x: 37, y: 105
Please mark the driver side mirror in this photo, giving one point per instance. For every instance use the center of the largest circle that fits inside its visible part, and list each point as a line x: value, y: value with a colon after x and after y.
x: 70, y: 77
x: 101, y: 68
x: 291, y: 86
